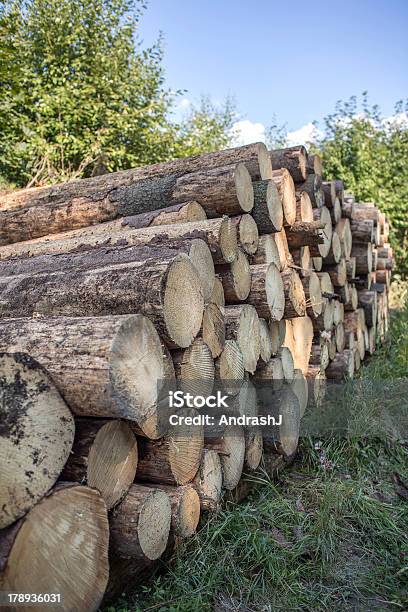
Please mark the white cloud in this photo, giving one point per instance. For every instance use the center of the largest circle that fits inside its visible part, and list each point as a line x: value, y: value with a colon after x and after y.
x: 245, y: 131
x: 305, y: 134
x: 185, y: 103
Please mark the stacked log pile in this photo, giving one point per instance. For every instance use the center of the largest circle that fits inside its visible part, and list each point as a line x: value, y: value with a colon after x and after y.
x: 242, y: 269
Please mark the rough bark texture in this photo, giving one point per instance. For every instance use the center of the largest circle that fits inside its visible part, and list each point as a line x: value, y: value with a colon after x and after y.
x: 305, y: 234
x: 267, y: 210
x: 295, y: 301
x: 313, y: 187
x: 293, y: 159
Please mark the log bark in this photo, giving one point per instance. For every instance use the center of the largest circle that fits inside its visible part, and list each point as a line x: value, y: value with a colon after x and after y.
x: 351, y: 268
x: 175, y: 458
x: 313, y: 187
x: 109, y: 366
x: 242, y: 325
x: 336, y: 211
x: 38, y: 212
x: 236, y: 279
x: 208, y: 480
x: 231, y: 448
x: 271, y: 375
x: 362, y: 230
x: 160, y: 283
x: 337, y: 273
x: 295, y: 301
x: 319, y: 355
x: 267, y: 210
x: 140, y: 525
x: 286, y: 189
x: 367, y: 300
x: 36, y: 435
x: 194, y: 368
x: 305, y: 234
x: 329, y: 193
x: 104, y: 456
x: 341, y: 367
x: 364, y: 258
x: 314, y: 164
x: 322, y: 215
x: 267, y: 291
x: 339, y: 188
x: 31, y: 560
x: 362, y: 211
x: 293, y: 159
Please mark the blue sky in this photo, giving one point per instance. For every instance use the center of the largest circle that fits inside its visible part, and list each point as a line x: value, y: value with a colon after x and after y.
x: 290, y: 59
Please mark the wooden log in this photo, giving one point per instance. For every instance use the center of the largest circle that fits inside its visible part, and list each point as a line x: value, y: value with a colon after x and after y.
x: 326, y: 285
x: 340, y: 337
x: 104, y: 456
x: 364, y: 257
x: 338, y: 316
x: 348, y: 206
x: 295, y: 300
x: 286, y: 189
x: 36, y: 435
x: 339, y: 188
x: 267, y: 252
x: 337, y: 273
x: 324, y: 322
x: 334, y: 255
x: 208, y: 480
x: 332, y: 345
x: 344, y: 293
x: 313, y: 294
x: 343, y: 230
x: 305, y: 234
x: 317, y: 263
x: 38, y: 212
x: 316, y: 381
x: 248, y: 234
x: 175, y: 458
x: 282, y: 439
x: 283, y: 248
x: 242, y: 325
x: 329, y: 193
x: 267, y: 291
x: 265, y: 338
x: 194, y: 368
x: 314, y: 164
x: 302, y: 260
x: 363, y: 212
x: 271, y: 374
x: 300, y: 388
x: 275, y: 334
x: 362, y: 230
x: 267, y: 210
x: 236, y: 279
x: 351, y: 268
x: 322, y: 215
x: 336, y: 211
x: 286, y: 357
x: 367, y: 300
x: 342, y: 366
x: 384, y: 277
x: 161, y: 284
x: 298, y: 339
x: 229, y: 368
x: 383, y: 263
x: 319, y: 355
x: 304, y: 209
x: 231, y: 448
x: 213, y: 328
x: 31, y: 560
x: 293, y: 159
x: 128, y: 377
x: 140, y: 524
x: 313, y: 186
x: 185, y: 508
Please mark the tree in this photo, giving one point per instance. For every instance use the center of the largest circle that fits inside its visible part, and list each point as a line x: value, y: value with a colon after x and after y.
x: 369, y: 153
x: 79, y: 95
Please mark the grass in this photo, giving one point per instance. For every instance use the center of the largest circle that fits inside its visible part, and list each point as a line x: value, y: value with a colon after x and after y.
x: 331, y: 534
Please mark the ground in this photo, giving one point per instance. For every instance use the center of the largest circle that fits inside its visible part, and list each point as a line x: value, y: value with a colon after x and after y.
x: 330, y: 533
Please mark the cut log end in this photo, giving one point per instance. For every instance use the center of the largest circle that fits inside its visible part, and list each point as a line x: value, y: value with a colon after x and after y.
x: 183, y: 301
x: 213, y: 329
x: 248, y: 234
x: 243, y: 186
x: 209, y: 480
x: 202, y: 260
x: 228, y: 240
x: 36, y: 435
x: 274, y: 292
x: 195, y: 368
x: 229, y: 367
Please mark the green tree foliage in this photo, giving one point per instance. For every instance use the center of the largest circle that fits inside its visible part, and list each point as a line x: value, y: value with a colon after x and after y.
x: 370, y: 154
x: 79, y: 95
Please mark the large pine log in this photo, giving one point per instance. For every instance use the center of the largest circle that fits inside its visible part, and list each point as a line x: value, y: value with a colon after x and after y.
x: 337, y: 273
x: 298, y: 339
x: 267, y: 291
x: 292, y: 158
x: 231, y: 447
x: 295, y: 301
x: 286, y: 189
x: 31, y: 213
x: 314, y: 164
x: 140, y: 525
x: 185, y: 508
x: 342, y: 366
x: 343, y: 230
x: 304, y: 209
x: 36, y: 435
x: 41, y: 552
x: 104, y: 456
x: 334, y: 254
x: 213, y: 324
x: 160, y: 283
x: 242, y: 325
x: 364, y: 257
x: 109, y: 366
x: 367, y: 300
x: 267, y: 252
x: 194, y: 367
x: 174, y: 459
x: 302, y: 260
x: 267, y: 210
x: 313, y: 187
x: 362, y: 230
x: 208, y: 480
x: 236, y: 279
x: 305, y: 234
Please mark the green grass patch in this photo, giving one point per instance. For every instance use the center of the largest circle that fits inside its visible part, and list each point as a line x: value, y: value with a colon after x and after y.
x: 331, y: 534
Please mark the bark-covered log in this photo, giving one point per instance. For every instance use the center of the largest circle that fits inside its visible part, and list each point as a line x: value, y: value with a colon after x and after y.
x: 267, y: 210
x: 314, y: 164
x: 363, y: 211
x: 140, y: 524
x: 194, y: 368
x: 208, y: 481
x: 304, y: 209
x: 104, y: 456
x: 334, y: 254
x: 236, y: 279
x: 267, y: 291
x: 336, y: 211
x: 286, y: 189
x: 175, y: 458
x: 295, y: 301
x: 313, y: 186
x: 267, y: 252
x: 316, y: 381
x: 339, y: 188
x: 42, y: 211
x: 111, y: 366
x: 364, y: 257
x: 305, y: 234
x: 319, y: 355
x: 302, y: 260
x: 285, y: 255
x: 367, y: 300
x: 284, y: 406
x: 341, y: 367
x: 270, y: 375
x: 61, y: 546
x: 362, y: 230
x: 337, y: 273
x: 231, y: 447
x: 36, y: 435
x: 329, y: 192
x: 322, y: 215
x: 159, y: 283
x: 242, y: 325
x: 293, y: 159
